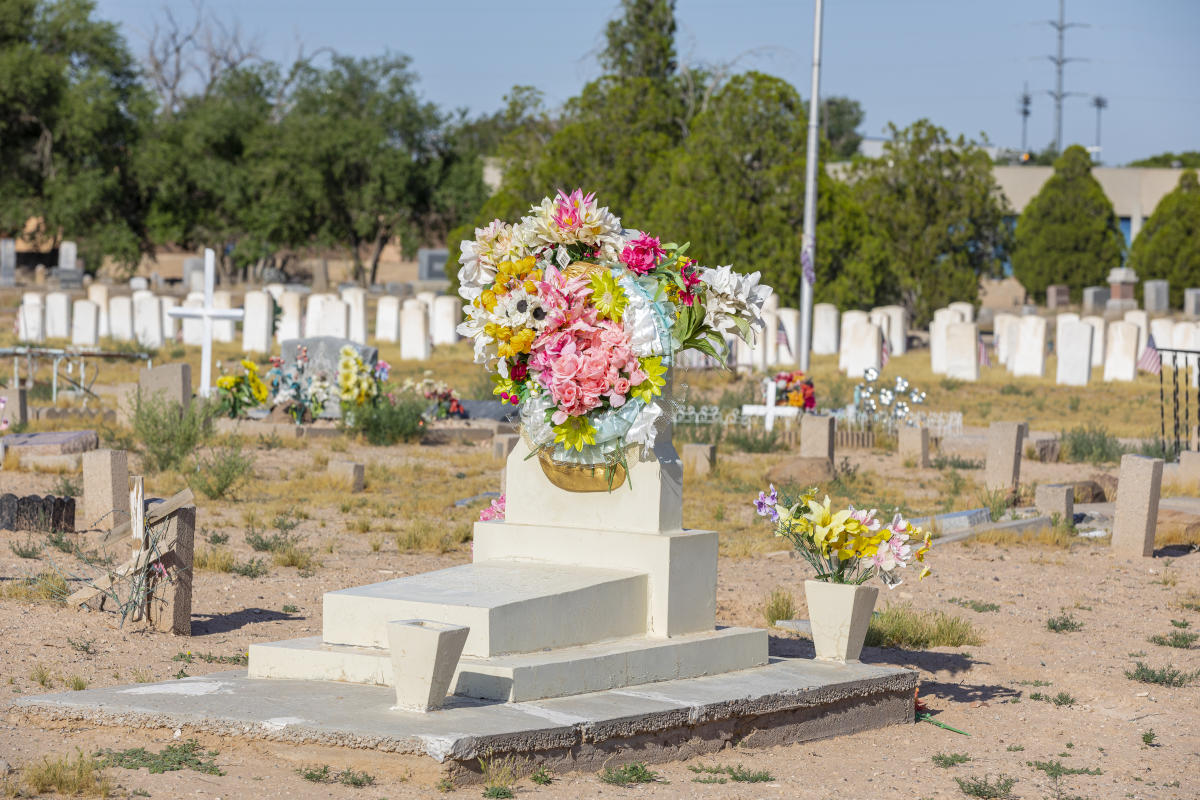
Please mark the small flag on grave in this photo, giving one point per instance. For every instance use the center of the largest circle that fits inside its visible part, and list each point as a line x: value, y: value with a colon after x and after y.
x: 1150, y: 360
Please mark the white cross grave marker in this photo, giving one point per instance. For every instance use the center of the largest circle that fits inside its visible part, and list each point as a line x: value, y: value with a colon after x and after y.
x: 769, y: 411
x: 206, y: 314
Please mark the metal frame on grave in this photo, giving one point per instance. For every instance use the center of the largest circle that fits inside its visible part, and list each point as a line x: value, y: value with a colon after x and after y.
x: 58, y: 355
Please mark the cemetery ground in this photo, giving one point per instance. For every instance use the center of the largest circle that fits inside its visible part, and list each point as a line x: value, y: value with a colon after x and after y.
x: 1036, y: 655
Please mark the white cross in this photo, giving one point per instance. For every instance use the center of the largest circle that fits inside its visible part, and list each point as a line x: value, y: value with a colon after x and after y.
x: 770, y: 411
x: 207, y: 313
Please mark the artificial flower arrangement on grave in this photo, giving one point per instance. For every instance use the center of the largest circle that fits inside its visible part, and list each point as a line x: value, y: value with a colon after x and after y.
x: 304, y: 396
x: 849, y: 545
x: 358, y: 384
x: 239, y: 392
x: 445, y: 400
x: 795, y: 389
x: 581, y: 319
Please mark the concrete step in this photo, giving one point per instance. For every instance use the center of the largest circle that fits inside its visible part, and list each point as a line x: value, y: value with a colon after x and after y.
x: 510, y: 606
x: 631, y: 661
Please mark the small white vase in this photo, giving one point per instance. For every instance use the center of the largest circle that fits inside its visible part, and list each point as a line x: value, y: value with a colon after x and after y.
x: 839, y: 614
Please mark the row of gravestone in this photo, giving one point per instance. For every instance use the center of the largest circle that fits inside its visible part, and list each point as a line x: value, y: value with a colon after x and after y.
x: 417, y: 323
x: 69, y: 270
x: 36, y: 513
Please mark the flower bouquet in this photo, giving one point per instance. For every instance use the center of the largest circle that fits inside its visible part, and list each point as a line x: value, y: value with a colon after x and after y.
x: 239, y: 392
x: 795, y: 389
x: 445, y: 401
x: 302, y: 394
x: 846, y: 547
x: 580, y: 320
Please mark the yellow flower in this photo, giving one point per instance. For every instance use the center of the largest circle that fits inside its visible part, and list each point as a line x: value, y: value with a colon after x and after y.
x: 257, y: 388
x: 652, y: 385
x: 249, y: 366
x: 503, y: 385
x: 228, y: 382
x: 608, y: 298
x: 520, y: 342
x: 575, y: 433
x: 488, y: 300
x: 828, y: 527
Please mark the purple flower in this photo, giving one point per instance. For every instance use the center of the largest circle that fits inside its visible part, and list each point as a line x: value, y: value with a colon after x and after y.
x: 765, y: 504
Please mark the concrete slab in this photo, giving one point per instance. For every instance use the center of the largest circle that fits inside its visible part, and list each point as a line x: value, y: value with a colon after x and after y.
x: 787, y: 700
x: 52, y: 443
x: 511, y: 607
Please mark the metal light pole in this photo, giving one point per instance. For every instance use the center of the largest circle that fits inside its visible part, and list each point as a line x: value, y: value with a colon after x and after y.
x: 808, y: 242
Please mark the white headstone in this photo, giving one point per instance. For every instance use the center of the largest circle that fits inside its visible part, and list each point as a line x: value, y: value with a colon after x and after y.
x: 951, y: 315
x: 276, y: 290
x: 766, y: 341
x: 169, y: 326
x: 1030, y: 357
x: 147, y: 320
x: 1121, y: 354
x: 313, y: 314
x: 98, y: 294
x: 335, y: 318
x: 355, y: 299
x: 387, y: 319
x: 789, y: 350
x: 1099, y: 327
x: 58, y: 315
x: 193, y: 327
x: 137, y: 283
x: 826, y: 331
x: 224, y: 330
x: 1005, y: 330
x: 967, y: 310
x: 962, y: 351
x: 447, y: 313
x: 937, y: 343
x: 258, y: 322
x: 849, y: 320
x: 289, y: 315
x: 31, y: 318
x: 1162, y: 329
x: 1073, y: 348
x: 414, y: 331
x: 427, y: 299
x: 85, y: 324
x: 120, y: 318
x: 67, y: 255
x: 193, y: 274
x: 862, y: 348
x: 897, y: 330
x: 1142, y: 320
x: 882, y: 320
x: 1059, y: 321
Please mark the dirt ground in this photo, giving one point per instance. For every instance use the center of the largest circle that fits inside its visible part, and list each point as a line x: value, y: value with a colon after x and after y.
x: 984, y: 690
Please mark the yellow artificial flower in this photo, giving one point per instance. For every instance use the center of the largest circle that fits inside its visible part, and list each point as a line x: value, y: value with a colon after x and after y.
x: 249, y: 366
x: 652, y: 385
x: 503, y: 385
x: 488, y: 300
x: 828, y: 527
x: 228, y: 382
x: 575, y: 433
x: 257, y: 388
x: 519, y: 342
x: 608, y: 298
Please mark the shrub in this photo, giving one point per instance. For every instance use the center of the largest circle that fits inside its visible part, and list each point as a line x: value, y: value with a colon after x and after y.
x: 214, y: 559
x: 167, y: 436
x: 1163, y: 676
x: 1091, y: 443
x: 630, y: 774
x: 80, y: 776
x: 1180, y: 639
x: 172, y: 758
x: 984, y: 789
x: 221, y: 473
x: 780, y: 605
x: 395, y: 418
x: 1064, y: 623
x: 254, y: 568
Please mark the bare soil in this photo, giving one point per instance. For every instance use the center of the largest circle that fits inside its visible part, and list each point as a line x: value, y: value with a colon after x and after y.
x: 984, y: 690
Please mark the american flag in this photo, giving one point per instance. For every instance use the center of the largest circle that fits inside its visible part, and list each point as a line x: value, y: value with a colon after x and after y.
x: 985, y: 359
x: 781, y: 338
x: 885, y: 353
x: 1150, y: 360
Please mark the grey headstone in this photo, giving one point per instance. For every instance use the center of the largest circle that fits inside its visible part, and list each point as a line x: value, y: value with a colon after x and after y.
x: 1058, y: 296
x: 69, y: 278
x: 323, y: 355
x: 490, y: 409
x: 67, y: 254
x: 431, y: 263
x: 1191, y: 302
x: 8, y: 262
x: 402, y: 289
x: 1095, y: 298
x: 1156, y: 297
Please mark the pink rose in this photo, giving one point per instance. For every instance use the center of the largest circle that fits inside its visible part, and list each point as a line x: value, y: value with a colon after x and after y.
x: 642, y: 254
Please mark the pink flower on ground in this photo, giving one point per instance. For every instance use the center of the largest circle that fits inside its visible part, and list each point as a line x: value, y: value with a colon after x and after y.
x: 642, y: 254
x: 493, y: 512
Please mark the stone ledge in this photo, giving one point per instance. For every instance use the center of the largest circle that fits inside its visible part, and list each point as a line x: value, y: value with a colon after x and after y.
x: 786, y: 701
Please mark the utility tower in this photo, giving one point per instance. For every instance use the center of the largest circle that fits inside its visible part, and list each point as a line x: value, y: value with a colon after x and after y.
x: 1099, y: 103
x: 1024, y: 111
x: 1061, y: 25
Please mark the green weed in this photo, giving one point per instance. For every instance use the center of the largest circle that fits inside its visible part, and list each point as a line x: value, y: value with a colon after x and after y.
x: 1163, y: 676
x: 628, y: 775
x: 174, y: 757
x: 1064, y: 623
x: 985, y: 789
x: 1181, y: 639
x: 946, y: 760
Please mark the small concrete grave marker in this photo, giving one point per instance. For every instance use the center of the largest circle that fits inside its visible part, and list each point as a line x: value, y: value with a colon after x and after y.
x: 1003, y: 471
x: 1136, y: 515
x: 105, y: 490
x: 349, y: 472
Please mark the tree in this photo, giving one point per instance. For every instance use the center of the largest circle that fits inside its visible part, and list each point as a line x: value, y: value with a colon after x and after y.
x: 1068, y: 233
x: 1168, y: 246
x: 735, y: 189
x: 71, y: 111
x: 941, y: 215
x: 840, y: 118
x: 1189, y: 159
x: 640, y: 43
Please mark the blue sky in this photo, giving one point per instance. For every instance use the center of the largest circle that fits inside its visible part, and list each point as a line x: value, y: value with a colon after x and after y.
x: 961, y: 63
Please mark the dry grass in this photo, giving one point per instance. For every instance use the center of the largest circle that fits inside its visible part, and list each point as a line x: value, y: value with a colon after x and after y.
x: 214, y: 559
x: 295, y: 556
x: 905, y: 627
x: 1053, y: 537
x: 1177, y: 534
x: 46, y: 587
x: 77, y: 776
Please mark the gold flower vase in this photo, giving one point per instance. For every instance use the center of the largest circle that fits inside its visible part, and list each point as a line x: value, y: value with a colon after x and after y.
x: 583, y: 477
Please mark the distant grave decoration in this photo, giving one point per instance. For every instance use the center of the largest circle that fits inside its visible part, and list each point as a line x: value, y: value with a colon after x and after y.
x: 581, y: 320
x: 796, y: 390
x: 878, y: 406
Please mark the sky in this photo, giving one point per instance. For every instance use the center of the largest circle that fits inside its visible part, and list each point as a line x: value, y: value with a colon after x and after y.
x: 960, y: 63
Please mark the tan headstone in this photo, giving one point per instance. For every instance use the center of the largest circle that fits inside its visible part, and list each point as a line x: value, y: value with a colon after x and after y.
x: 105, y: 490
x: 1136, y: 514
x: 173, y: 382
x: 503, y: 444
x: 699, y: 459
x: 349, y: 472
x: 1189, y: 468
x: 171, y: 603
x: 1051, y: 499
x: 914, y: 445
x: 1003, y: 471
x: 817, y: 437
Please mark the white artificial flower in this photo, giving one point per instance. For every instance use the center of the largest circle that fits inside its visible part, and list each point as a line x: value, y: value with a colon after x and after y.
x: 596, y: 224
x: 639, y: 321
x: 520, y: 309
x: 730, y: 294
x: 644, y: 429
x: 493, y: 244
